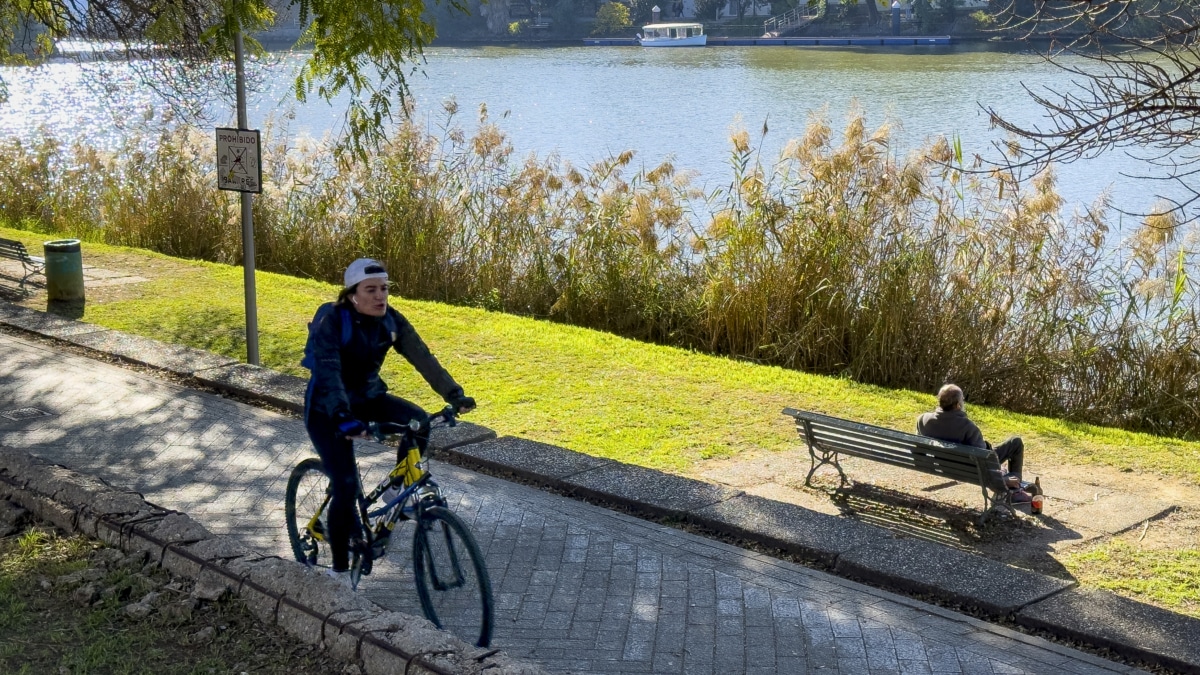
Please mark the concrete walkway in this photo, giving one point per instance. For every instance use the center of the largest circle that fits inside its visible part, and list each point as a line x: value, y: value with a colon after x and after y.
x: 580, y: 588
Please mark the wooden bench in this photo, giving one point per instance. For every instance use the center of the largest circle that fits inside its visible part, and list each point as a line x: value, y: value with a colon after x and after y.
x: 829, y: 438
x: 15, y: 250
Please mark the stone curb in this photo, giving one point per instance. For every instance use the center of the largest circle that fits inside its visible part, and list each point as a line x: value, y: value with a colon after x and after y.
x: 1120, y: 624
x: 304, y: 602
x: 848, y: 548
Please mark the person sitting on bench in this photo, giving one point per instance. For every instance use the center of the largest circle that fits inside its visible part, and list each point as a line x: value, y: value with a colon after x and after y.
x: 950, y: 423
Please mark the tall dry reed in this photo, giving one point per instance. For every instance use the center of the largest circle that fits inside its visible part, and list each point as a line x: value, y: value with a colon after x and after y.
x: 838, y: 257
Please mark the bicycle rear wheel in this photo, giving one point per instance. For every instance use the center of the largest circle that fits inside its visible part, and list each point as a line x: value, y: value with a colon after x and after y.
x: 452, y: 580
x: 305, y: 505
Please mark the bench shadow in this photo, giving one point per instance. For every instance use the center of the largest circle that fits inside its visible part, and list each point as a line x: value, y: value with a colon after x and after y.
x: 12, y: 291
x: 1022, y: 541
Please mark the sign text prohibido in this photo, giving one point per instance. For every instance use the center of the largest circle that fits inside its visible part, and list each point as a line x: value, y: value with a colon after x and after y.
x: 239, y: 163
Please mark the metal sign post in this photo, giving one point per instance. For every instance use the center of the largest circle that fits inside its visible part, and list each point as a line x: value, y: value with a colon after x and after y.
x: 239, y: 167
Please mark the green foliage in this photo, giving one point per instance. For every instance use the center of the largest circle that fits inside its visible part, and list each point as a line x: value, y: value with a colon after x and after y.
x: 611, y: 19
x: 641, y: 12
x: 452, y: 22
x: 836, y: 259
x: 947, y: 11
x: 707, y: 9
x: 565, y: 14
x: 361, y: 49
x: 849, y: 11
x: 923, y: 14
x: 983, y: 19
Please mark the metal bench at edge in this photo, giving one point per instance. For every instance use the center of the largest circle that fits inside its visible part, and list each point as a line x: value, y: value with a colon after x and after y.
x: 828, y: 437
x: 15, y: 250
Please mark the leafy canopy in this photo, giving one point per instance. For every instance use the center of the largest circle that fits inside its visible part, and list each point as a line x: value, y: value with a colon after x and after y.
x: 360, y: 48
x: 611, y: 18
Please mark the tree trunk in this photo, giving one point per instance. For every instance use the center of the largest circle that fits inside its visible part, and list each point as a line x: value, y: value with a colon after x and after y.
x: 872, y: 12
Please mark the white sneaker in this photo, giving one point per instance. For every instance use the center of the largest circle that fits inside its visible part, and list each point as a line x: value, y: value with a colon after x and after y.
x: 342, y: 577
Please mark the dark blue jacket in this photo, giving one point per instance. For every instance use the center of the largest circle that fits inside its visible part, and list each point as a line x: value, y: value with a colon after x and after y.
x: 344, y: 375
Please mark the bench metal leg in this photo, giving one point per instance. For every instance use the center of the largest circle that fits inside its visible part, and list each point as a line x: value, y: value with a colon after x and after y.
x: 992, y: 504
x: 820, y: 458
x: 29, y: 271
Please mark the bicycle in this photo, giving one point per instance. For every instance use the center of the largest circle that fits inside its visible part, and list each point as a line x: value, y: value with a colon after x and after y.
x: 451, y: 577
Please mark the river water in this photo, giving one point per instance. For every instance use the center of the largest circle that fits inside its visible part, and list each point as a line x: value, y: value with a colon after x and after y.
x: 586, y: 103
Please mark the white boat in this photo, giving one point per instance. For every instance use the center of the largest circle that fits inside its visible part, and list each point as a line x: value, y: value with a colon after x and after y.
x: 673, y: 35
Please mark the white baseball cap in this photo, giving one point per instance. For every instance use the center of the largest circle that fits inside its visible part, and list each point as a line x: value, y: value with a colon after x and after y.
x: 362, y: 269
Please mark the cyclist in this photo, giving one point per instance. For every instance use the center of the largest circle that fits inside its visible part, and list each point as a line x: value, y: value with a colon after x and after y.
x: 348, y: 340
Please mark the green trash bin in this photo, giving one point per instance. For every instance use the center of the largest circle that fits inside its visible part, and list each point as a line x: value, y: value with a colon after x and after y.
x: 64, y: 270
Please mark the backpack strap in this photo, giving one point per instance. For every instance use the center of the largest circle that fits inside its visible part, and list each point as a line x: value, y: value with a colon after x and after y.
x: 347, y: 326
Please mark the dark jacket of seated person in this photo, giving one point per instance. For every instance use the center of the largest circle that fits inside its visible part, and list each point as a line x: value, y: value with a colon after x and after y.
x: 950, y: 423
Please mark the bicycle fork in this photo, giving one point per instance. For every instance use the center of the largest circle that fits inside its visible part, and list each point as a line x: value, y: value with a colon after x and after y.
x: 457, y: 578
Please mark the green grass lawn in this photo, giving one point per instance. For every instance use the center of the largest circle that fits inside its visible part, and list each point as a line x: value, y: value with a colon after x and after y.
x: 595, y: 393
x: 1170, y: 578
x: 589, y: 391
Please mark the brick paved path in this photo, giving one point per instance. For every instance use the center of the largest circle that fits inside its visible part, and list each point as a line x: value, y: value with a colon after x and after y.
x: 579, y: 588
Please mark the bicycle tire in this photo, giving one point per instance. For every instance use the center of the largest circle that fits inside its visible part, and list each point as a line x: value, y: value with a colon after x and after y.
x: 307, y: 490
x: 357, y: 559
x: 465, y: 606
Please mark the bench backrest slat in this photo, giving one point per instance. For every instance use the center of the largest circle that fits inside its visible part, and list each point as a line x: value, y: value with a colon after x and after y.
x: 14, y: 250
x: 956, y: 467
x: 875, y: 440
x: 962, y: 463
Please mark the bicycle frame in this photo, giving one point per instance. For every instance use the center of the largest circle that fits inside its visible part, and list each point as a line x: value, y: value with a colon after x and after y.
x: 408, y: 472
x: 365, y: 502
x: 407, y: 469
x: 411, y: 474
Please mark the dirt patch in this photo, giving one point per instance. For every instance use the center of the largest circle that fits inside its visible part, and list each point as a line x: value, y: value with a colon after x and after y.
x: 69, y: 604
x: 1157, y: 513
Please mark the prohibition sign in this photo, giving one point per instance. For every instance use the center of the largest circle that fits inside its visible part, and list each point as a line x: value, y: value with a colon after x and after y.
x: 239, y: 163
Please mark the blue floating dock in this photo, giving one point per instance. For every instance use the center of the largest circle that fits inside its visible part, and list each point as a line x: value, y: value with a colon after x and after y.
x: 888, y: 41
x: 610, y: 42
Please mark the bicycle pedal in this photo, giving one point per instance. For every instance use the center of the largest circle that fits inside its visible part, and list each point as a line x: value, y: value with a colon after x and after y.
x: 379, y: 548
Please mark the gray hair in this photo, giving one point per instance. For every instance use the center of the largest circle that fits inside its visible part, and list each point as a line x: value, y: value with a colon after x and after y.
x: 949, y: 396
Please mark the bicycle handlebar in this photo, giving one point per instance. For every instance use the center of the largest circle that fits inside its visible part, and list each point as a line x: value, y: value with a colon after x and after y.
x: 448, y: 416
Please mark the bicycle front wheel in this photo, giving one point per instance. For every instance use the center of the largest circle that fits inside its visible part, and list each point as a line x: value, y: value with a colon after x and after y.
x: 452, y: 580
x: 305, y: 505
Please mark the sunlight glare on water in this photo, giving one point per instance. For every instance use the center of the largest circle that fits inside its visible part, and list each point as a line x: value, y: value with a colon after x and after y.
x: 587, y: 103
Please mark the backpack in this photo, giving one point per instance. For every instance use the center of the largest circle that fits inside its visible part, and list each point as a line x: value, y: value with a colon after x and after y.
x: 345, y: 315
x: 347, y: 331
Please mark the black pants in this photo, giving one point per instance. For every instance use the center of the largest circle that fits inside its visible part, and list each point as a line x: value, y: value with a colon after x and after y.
x: 1013, y: 452
x: 337, y: 457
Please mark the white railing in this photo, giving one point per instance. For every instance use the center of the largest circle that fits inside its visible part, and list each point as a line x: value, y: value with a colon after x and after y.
x: 792, y: 17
